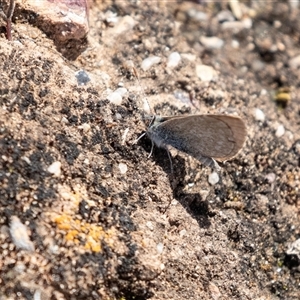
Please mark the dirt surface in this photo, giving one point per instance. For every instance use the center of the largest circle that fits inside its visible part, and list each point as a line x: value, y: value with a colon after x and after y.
x: 104, y: 221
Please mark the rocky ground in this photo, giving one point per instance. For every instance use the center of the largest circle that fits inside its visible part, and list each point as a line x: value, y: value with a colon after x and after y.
x: 85, y: 214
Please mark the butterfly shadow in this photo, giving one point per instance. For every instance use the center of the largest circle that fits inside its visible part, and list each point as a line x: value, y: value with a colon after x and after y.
x: 176, y: 171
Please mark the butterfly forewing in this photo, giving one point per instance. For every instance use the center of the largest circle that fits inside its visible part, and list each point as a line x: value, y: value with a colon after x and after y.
x: 213, y: 136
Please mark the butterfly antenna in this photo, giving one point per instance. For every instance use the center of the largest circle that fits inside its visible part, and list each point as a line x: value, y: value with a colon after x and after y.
x: 130, y: 66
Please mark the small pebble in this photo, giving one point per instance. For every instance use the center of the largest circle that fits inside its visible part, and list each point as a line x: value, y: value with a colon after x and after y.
x: 263, y: 92
x: 197, y: 15
x: 277, y: 24
x: 247, y: 23
x: 19, y: 234
x: 111, y: 18
x: 211, y: 43
x: 294, y: 249
x: 25, y: 158
x: 82, y: 77
x: 294, y: 4
x: 123, y: 168
x: 270, y: 177
x: 114, y: 98
x: 235, y: 44
x: 213, y: 178
x: 148, y: 62
x: 85, y: 127
x: 259, y: 115
x: 206, y: 73
x: 123, y: 25
x: 236, y: 9
x: 150, y: 225
x: 280, y: 131
x: 37, y: 295
x: 294, y: 62
x: 160, y: 248
x: 225, y: 16
x: 214, y: 291
x: 55, y: 168
x: 121, y: 90
x: 182, y: 233
x: 257, y: 65
x: 237, y: 26
x: 118, y: 116
x: 173, y: 60
x: 189, y: 56
x: 64, y: 120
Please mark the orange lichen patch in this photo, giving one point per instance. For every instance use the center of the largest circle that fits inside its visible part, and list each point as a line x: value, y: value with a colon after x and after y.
x: 71, y: 236
x: 86, y: 234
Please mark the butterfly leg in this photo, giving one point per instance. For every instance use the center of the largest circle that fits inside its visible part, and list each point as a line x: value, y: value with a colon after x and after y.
x: 170, y: 158
x: 152, y: 146
x: 139, y: 138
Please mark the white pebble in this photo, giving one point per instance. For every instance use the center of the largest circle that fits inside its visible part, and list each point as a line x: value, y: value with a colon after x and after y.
x: 294, y: 4
x: 189, y: 56
x: 213, y: 178
x: 114, y: 98
x: 123, y: 168
x: 197, y: 15
x: 85, y: 127
x: 55, y: 168
x: 214, y: 291
x: 247, y: 22
x: 280, y: 131
x: 160, y: 248
x: 212, y: 42
x: 118, y: 116
x: 64, y: 120
x: 205, y: 73
x: 19, y: 234
x: 111, y: 17
x: 294, y: 249
x: 271, y: 177
x: 25, y: 158
x: 259, y: 115
x: 150, y: 225
x: 263, y: 92
x: 148, y: 62
x: 37, y: 295
x: 236, y: 9
x: 182, y: 233
x: 235, y: 44
x: 294, y: 62
x: 173, y: 60
x: 225, y: 16
x: 121, y: 90
x: 123, y: 25
x: 257, y: 65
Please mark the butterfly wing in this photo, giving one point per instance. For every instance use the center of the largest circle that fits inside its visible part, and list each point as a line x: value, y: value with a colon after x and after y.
x: 204, y: 137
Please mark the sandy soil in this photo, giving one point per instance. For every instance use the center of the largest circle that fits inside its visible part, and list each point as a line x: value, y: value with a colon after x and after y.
x: 104, y: 221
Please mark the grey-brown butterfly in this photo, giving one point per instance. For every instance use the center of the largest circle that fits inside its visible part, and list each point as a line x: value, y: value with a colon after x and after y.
x: 205, y: 137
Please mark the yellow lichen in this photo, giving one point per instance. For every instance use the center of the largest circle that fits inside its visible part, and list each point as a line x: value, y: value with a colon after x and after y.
x: 92, y: 234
